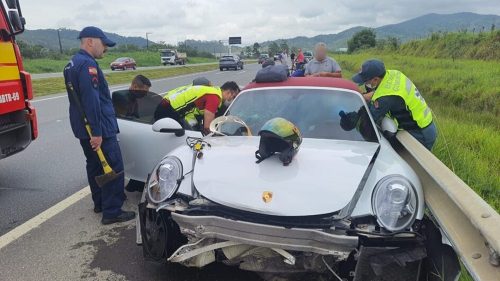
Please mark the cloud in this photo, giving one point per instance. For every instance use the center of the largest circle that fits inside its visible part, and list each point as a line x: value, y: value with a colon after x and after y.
x: 257, y: 20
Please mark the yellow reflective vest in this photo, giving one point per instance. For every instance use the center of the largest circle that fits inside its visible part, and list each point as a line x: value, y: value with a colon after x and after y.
x: 182, y: 100
x: 395, y: 83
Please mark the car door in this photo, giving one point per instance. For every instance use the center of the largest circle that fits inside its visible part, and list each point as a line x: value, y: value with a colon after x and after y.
x: 141, y: 147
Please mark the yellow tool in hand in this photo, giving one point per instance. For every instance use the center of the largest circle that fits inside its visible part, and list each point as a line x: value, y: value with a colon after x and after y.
x: 109, y: 173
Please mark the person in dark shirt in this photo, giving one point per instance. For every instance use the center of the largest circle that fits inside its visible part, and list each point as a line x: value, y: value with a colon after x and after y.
x: 84, y: 80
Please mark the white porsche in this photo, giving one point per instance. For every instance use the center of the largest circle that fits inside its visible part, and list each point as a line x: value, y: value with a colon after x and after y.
x: 347, y: 207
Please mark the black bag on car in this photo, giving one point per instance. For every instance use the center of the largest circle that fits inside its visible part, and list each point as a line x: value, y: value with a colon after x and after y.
x: 272, y: 73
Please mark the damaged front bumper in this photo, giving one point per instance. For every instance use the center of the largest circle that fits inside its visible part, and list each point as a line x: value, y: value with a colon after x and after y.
x: 330, y: 242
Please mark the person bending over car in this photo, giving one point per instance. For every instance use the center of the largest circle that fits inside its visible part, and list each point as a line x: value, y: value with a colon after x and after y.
x: 196, y: 105
x: 394, y: 95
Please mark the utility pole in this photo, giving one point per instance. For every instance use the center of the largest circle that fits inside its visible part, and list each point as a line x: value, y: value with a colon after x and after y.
x: 59, y: 37
x: 147, y: 40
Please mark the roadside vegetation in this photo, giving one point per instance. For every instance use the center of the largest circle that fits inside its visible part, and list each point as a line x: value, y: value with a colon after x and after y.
x: 457, y: 74
x: 464, y: 94
x: 47, y: 86
x: 143, y: 58
x: 38, y: 59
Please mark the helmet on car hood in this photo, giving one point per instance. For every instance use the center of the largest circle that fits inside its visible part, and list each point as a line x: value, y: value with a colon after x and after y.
x: 279, y: 135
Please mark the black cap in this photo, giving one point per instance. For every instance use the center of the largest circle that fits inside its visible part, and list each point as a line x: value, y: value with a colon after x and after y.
x: 95, y: 32
x: 369, y: 70
x: 201, y: 81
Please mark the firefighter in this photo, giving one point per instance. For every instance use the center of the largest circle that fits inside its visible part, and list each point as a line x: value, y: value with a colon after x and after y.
x: 393, y: 94
x: 84, y: 78
x: 196, y: 105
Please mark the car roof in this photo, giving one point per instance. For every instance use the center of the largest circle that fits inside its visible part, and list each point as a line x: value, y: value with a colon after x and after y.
x: 323, y: 82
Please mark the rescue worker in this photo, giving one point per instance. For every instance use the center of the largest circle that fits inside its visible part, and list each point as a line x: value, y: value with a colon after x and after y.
x: 395, y: 95
x: 84, y: 78
x: 197, y: 104
x: 140, y: 86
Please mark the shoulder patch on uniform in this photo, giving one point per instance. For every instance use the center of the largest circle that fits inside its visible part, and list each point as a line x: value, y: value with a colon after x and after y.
x: 92, y: 70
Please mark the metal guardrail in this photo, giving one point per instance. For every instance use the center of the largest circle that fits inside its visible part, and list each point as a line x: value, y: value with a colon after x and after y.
x: 471, y: 225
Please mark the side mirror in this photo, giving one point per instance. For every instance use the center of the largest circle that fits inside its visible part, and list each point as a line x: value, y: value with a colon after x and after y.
x: 389, y: 127
x: 168, y: 125
x: 12, y: 4
x: 17, y: 22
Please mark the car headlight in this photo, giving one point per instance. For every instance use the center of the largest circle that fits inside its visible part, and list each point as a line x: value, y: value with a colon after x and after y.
x: 394, y: 202
x: 164, y: 180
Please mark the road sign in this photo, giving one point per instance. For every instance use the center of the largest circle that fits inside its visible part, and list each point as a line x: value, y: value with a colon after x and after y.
x: 234, y: 40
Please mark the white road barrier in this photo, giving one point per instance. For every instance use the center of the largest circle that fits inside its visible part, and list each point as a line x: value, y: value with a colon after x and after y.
x: 471, y: 225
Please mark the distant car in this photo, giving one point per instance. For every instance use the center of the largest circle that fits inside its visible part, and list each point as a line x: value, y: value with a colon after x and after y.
x: 230, y: 62
x: 123, y: 64
x: 308, y: 55
x: 277, y: 56
x: 263, y: 58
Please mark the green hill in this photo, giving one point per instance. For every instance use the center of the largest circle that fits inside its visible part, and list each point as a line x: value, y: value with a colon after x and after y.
x: 48, y: 38
x: 416, y: 28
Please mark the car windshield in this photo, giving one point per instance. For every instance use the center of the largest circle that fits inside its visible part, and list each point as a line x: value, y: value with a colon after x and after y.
x: 167, y: 54
x: 308, y: 54
x: 227, y: 58
x: 121, y: 59
x: 318, y: 113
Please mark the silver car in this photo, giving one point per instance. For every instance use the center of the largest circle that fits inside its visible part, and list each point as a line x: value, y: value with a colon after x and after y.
x: 348, y: 207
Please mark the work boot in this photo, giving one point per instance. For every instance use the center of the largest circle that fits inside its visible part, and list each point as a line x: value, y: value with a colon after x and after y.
x: 97, y: 209
x: 123, y: 217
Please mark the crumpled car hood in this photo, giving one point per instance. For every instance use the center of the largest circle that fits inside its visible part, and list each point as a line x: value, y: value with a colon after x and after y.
x: 321, y: 179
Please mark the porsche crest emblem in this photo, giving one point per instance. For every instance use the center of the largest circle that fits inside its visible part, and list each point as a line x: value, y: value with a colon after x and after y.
x: 267, y: 196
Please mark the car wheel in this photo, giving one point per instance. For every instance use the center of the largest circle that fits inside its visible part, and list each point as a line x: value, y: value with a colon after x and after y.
x: 112, y: 69
x: 161, y: 236
x: 241, y: 67
x: 221, y: 69
x: 134, y: 67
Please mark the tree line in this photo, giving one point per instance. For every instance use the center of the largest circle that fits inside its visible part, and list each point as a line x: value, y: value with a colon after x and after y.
x: 36, y: 51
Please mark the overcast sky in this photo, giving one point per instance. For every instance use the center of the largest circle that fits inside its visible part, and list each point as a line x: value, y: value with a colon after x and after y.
x: 256, y: 20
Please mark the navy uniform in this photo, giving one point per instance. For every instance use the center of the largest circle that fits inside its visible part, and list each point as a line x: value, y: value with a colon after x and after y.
x: 88, y: 82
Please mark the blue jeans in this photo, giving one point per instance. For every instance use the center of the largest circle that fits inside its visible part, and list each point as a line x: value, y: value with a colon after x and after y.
x: 426, y: 136
x: 110, y: 197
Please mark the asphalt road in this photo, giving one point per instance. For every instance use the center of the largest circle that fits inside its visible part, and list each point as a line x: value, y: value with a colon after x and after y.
x: 53, y: 166
x: 139, y: 69
x: 73, y: 245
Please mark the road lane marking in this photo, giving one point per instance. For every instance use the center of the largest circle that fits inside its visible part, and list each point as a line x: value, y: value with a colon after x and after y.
x: 36, y: 221
x: 51, y: 98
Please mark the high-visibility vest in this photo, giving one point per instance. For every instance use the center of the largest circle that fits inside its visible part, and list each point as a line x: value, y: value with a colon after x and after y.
x: 395, y: 83
x: 182, y: 100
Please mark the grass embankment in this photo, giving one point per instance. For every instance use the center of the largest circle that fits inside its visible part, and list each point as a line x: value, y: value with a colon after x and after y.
x: 465, y: 98
x: 458, y: 45
x: 49, y: 86
x: 143, y: 58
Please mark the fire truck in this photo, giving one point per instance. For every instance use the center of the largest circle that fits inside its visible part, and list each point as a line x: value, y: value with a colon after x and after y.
x: 18, y: 123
